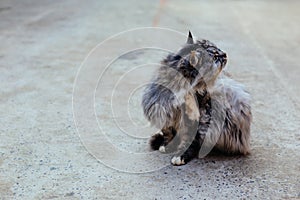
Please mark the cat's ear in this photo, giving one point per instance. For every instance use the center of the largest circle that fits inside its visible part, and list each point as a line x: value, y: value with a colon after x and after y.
x: 190, y: 38
x: 194, y: 58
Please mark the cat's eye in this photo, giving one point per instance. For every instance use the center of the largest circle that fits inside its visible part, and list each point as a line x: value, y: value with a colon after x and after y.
x: 177, y: 57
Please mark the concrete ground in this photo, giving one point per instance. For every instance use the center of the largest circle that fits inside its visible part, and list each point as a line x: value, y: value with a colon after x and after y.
x: 42, y: 46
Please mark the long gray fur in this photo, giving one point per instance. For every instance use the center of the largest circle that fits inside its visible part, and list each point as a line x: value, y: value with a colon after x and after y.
x: 223, y: 120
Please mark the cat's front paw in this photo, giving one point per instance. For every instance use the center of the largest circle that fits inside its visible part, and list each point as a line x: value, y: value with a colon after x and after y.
x: 178, y: 160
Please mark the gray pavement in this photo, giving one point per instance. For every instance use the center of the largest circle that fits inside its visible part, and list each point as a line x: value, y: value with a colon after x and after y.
x: 42, y: 44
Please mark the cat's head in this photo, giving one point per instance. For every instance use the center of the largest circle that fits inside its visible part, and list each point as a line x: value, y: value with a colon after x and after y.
x: 200, y: 62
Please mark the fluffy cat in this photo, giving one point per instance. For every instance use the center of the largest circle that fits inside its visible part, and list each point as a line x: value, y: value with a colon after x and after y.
x: 196, y: 106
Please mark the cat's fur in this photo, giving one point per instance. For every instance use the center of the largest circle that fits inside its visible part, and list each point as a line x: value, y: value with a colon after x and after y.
x: 196, y: 106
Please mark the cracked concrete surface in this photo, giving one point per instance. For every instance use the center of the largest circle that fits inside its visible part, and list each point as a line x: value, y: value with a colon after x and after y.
x: 42, y: 46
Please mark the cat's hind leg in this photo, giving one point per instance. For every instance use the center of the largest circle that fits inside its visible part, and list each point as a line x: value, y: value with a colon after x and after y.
x: 157, y: 140
x: 162, y: 138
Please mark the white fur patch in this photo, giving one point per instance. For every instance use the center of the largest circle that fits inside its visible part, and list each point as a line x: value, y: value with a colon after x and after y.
x: 162, y: 149
x: 177, y: 161
x: 160, y: 132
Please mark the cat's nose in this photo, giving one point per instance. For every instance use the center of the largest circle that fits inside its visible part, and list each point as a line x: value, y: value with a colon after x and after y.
x: 224, y: 59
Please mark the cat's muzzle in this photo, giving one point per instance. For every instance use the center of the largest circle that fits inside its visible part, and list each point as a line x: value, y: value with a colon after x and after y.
x: 221, y: 60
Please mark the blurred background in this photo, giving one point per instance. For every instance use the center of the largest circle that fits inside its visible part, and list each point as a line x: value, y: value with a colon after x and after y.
x: 42, y: 45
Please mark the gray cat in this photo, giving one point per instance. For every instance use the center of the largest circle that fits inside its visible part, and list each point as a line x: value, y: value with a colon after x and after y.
x: 196, y: 105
